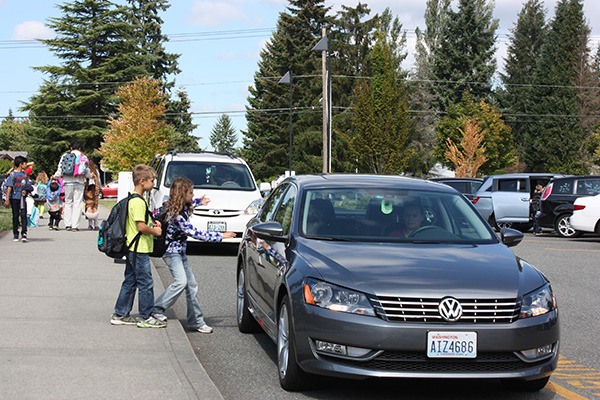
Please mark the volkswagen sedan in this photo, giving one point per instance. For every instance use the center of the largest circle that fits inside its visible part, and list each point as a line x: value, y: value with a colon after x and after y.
x: 363, y: 276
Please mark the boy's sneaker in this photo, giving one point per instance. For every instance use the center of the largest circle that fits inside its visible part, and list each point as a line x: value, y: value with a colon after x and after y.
x: 160, y: 317
x: 16, y: 239
x: 151, y: 322
x: 56, y: 228
x: 124, y: 320
x: 205, y: 329
x: 50, y: 227
x: 24, y: 238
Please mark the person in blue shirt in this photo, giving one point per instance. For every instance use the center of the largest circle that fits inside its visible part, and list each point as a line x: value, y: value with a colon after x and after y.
x: 18, y: 187
x: 179, y: 208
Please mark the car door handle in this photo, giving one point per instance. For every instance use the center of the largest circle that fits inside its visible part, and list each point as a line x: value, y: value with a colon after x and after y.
x: 524, y: 199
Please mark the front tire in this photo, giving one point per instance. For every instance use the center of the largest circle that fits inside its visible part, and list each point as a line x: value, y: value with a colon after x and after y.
x: 291, y: 377
x: 563, y: 227
x: 245, y: 320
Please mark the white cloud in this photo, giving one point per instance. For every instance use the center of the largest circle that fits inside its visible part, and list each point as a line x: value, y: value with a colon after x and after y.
x: 30, y: 30
x: 216, y: 13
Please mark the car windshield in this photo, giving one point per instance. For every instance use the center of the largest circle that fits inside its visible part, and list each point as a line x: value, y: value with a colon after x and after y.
x: 391, y: 215
x: 211, y: 175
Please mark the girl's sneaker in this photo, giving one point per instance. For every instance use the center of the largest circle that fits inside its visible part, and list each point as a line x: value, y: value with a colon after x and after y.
x: 151, y: 322
x: 205, y: 329
x: 161, y: 317
x: 124, y: 320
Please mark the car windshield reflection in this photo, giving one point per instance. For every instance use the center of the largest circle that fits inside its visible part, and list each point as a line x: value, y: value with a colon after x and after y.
x: 384, y: 215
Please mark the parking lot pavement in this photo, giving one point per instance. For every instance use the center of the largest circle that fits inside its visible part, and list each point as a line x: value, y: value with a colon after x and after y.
x: 57, y: 294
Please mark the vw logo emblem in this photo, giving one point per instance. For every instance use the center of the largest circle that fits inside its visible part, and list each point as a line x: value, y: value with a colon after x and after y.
x: 216, y: 212
x: 450, y: 309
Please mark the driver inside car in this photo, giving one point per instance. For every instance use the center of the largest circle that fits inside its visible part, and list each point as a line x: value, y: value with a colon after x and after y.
x: 411, y: 220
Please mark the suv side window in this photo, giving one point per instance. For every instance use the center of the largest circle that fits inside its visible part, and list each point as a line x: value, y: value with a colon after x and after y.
x: 589, y: 187
x: 565, y: 187
x: 512, y: 185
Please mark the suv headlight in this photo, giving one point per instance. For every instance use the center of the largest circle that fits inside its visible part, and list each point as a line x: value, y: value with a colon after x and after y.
x: 336, y: 298
x: 538, y: 302
x: 253, y: 208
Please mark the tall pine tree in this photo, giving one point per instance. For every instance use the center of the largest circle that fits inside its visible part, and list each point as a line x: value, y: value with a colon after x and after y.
x: 266, y: 142
x: 223, y: 137
x: 554, y: 139
x: 523, y: 54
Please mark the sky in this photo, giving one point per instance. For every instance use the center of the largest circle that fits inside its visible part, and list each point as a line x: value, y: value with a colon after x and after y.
x: 219, y: 42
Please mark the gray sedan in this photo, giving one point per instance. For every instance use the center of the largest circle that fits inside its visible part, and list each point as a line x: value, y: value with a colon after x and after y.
x: 364, y: 276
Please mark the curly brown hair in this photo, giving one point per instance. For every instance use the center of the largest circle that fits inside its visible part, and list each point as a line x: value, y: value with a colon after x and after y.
x: 177, y: 196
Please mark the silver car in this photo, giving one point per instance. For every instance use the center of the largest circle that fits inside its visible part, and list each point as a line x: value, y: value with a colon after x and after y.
x: 364, y: 276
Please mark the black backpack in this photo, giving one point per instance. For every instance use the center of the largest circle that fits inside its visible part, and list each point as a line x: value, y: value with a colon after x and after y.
x: 160, y: 245
x: 111, y: 236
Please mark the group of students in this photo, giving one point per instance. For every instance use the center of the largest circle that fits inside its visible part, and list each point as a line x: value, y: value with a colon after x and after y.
x: 138, y: 276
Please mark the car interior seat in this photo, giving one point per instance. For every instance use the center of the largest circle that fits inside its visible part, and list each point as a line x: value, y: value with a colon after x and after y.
x: 321, y: 217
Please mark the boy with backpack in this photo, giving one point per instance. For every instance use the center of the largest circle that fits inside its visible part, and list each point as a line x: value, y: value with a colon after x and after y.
x: 138, y: 274
x: 17, y: 189
x: 74, y: 170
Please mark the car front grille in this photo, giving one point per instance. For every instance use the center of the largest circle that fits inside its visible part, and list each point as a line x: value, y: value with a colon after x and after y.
x: 425, y: 310
x: 418, y: 362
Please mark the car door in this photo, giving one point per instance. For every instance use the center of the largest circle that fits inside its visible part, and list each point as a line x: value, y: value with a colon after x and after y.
x: 511, y: 199
x: 257, y: 254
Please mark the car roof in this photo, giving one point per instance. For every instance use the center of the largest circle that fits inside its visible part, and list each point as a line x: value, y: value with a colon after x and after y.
x: 526, y: 174
x: 366, y: 180
x: 451, y: 179
x: 205, y: 156
x: 575, y: 177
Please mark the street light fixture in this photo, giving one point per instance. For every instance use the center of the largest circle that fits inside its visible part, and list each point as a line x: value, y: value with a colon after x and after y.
x: 287, y: 80
x: 323, y: 46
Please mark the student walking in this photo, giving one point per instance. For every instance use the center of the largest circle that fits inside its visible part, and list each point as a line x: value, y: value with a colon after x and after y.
x: 178, y: 209
x: 138, y: 275
x: 74, y: 170
x: 53, y: 204
x: 91, y: 194
x: 18, y: 187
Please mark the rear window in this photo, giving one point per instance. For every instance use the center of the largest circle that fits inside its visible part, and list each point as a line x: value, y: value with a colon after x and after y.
x: 588, y: 187
x: 563, y: 187
x: 211, y: 175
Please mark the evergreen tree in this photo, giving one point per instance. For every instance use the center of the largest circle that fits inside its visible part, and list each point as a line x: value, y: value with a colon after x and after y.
x: 466, y: 60
x: 381, y: 120
x: 554, y: 141
x: 523, y: 54
x: 422, y: 89
x: 267, y: 136
x: 223, y: 137
x: 12, y: 133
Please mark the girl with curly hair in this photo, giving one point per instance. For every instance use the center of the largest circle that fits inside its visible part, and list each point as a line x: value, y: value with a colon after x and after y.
x: 179, y: 208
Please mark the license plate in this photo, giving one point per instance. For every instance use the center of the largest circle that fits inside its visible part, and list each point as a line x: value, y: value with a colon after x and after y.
x: 217, y: 226
x: 451, y: 344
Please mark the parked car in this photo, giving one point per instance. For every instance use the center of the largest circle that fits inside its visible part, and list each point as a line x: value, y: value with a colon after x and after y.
x: 557, y: 202
x: 586, y: 214
x: 322, y: 272
x: 503, y: 200
x: 225, y: 179
x: 109, y: 190
x: 467, y: 186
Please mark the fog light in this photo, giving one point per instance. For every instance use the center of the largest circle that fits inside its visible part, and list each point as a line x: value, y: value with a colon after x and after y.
x: 333, y: 348
x: 540, y: 352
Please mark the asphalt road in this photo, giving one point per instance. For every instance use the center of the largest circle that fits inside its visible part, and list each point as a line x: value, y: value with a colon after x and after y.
x: 244, y: 366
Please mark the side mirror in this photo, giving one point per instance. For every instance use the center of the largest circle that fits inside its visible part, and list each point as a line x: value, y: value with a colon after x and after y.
x: 510, y: 237
x: 269, y: 231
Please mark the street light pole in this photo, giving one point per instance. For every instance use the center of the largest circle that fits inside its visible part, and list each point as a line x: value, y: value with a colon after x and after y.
x: 288, y: 80
x: 323, y: 46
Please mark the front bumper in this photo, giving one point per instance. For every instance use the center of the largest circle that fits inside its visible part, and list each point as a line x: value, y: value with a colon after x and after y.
x: 233, y: 223
x: 399, y: 349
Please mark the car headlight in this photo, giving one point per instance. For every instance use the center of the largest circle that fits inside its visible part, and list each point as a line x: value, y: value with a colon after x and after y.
x: 336, y: 298
x: 538, y: 302
x: 253, y: 208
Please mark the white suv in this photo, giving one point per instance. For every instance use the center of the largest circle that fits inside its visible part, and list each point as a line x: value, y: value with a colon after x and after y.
x: 225, y: 179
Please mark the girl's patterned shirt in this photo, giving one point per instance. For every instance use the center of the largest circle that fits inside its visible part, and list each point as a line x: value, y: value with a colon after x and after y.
x: 180, y: 228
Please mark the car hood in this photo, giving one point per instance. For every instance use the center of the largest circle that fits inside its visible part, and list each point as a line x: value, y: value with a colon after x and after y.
x: 421, y: 270
x: 227, y: 199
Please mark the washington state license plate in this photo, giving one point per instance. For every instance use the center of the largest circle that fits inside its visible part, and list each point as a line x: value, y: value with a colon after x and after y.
x: 442, y: 344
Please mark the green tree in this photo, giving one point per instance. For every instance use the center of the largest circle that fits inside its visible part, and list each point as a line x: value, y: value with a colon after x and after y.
x: 523, y: 53
x: 466, y: 60
x: 140, y: 131
x: 422, y: 93
x: 12, y: 133
x: 381, y: 121
x: 498, y: 142
x: 554, y: 140
x: 265, y: 145
x: 223, y: 137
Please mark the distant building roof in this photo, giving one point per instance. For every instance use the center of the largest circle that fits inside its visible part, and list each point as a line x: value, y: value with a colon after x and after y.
x: 10, y: 155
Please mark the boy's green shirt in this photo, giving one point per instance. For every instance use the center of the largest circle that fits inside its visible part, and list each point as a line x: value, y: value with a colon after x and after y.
x: 136, y: 211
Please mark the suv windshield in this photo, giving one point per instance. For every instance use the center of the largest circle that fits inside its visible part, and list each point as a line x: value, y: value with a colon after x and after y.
x: 211, y: 175
x: 391, y: 215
